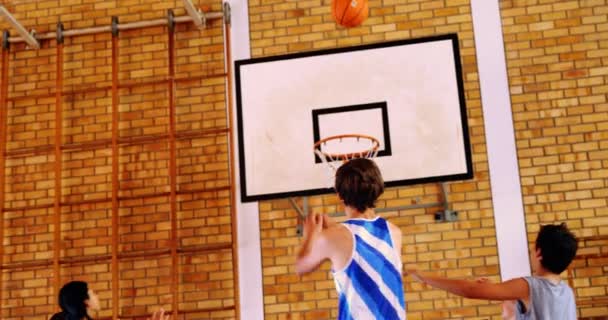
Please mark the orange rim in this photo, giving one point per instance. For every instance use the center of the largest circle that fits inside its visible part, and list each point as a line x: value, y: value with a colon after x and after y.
x: 346, y: 156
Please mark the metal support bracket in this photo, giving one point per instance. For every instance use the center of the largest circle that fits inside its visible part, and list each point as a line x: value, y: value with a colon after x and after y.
x: 33, y: 45
x: 227, y: 12
x: 60, y: 37
x: 303, y: 212
x: 28, y: 37
x: 115, y: 26
x: 5, y: 43
x: 198, y: 17
x: 170, y: 20
x: 447, y: 215
x: 203, y: 18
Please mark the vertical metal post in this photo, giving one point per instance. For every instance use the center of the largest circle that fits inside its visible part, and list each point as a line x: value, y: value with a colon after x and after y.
x: 3, y: 130
x: 173, y: 165
x: 305, y: 206
x: 58, y: 158
x: 444, y: 196
x: 115, y: 119
x: 232, y: 147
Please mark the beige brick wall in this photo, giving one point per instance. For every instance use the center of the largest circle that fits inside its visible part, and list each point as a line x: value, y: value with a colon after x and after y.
x: 206, y: 278
x: 556, y: 56
x: 462, y: 249
x: 556, y: 59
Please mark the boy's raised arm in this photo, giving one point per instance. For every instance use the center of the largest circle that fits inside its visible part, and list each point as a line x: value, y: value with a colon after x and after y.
x: 313, y: 249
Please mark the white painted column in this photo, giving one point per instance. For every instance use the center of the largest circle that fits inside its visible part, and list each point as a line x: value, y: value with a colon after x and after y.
x: 250, y: 254
x: 500, y: 139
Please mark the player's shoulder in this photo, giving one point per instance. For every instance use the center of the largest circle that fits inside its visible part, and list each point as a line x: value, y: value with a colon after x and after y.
x: 336, y: 230
x: 336, y: 234
x: 393, y: 228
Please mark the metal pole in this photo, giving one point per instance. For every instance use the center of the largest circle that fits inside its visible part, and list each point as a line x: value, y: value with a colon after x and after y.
x: 115, y: 185
x: 233, y: 205
x: 58, y: 159
x: 125, y: 26
x: 173, y: 166
x: 444, y: 193
x: 297, y: 208
x: 3, y: 130
x: 27, y: 37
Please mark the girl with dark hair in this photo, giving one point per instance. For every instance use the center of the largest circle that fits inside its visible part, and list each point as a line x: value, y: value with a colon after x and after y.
x: 75, y: 300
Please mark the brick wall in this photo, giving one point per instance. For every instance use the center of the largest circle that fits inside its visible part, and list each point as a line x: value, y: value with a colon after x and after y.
x: 556, y: 55
x: 203, y: 173
x: 556, y: 59
x: 462, y: 249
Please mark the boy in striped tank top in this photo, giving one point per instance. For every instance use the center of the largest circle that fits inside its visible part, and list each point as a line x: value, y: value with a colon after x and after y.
x: 364, y: 251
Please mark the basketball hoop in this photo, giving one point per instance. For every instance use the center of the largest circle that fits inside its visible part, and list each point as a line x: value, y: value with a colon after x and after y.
x: 346, y: 147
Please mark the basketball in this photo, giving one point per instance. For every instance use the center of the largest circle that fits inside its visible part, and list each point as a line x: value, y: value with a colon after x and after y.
x: 350, y: 13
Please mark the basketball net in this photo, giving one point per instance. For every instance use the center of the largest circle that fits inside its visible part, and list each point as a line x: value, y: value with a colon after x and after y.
x: 336, y: 150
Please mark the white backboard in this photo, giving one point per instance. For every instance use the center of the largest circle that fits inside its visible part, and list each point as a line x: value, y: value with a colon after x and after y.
x: 408, y: 94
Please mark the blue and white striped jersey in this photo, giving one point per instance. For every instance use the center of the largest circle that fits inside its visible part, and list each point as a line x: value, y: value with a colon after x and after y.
x: 370, y: 286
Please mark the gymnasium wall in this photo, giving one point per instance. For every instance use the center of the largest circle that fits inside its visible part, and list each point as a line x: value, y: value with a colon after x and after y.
x: 145, y: 273
x: 556, y: 56
x: 466, y: 248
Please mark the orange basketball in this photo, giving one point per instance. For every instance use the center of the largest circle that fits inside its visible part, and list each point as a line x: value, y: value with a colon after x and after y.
x: 349, y: 13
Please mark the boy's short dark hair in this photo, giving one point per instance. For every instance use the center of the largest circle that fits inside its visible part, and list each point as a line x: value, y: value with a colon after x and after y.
x: 359, y: 183
x: 557, y: 247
